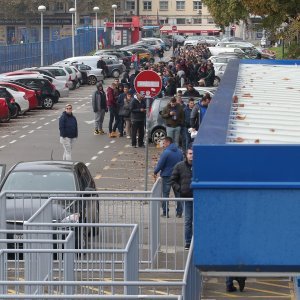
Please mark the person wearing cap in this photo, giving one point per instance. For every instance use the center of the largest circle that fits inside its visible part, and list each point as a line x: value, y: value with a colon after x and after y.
x: 68, y: 130
x: 99, y: 107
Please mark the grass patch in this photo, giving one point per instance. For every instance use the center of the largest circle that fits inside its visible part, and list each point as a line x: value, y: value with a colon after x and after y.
x: 278, y: 51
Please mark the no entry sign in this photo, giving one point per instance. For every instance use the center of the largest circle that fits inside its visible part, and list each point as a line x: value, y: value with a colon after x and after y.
x: 148, y: 83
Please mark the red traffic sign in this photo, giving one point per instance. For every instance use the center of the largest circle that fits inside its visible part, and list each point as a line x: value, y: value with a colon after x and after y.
x: 233, y: 27
x: 174, y: 28
x: 148, y: 83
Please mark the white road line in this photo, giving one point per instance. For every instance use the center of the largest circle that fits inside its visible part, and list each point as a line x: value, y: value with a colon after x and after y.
x: 4, y: 136
x: 22, y: 136
x: 94, y: 157
x: 106, y: 146
x: 42, y: 118
x: 127, y: 146
x: 112, y: 142
x: 87, y: 164
x: 100, y: 152
x: 114, y: 159
x: 14, y: 131
x: 53, y: 120
x: 31, y: 131
x: 39, y: 127
x: 12, y: 142
x: 33, y: 122
x: 76, y: 102
x: 106, y: 168
x: 121, y: 152
x: 25, y: 126
x: 3, y: 146
x: 46, y: 123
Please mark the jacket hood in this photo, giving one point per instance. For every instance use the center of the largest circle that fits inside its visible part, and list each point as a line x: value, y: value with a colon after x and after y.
x: 173, y: 147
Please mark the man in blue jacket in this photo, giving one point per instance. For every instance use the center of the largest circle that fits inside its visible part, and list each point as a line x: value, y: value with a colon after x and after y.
x: 168, y: 159
x: 68, y: 131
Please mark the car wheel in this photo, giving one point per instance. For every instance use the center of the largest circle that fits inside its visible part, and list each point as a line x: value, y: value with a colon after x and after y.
x: 57, y: 95
x: 158, y: 135
x: 14, y: 112
x: 73, y: 87
x: 115, y: 73
x: 48, y: 103
x: 5, y: 120
x: 19, y: 110
x: 78, y: 84
x: 217, y: 81
x: 92, y: 80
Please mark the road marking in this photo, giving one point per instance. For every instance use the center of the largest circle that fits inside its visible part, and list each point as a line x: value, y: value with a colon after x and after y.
x: 100, y: 152
x: 42, y: 118
x: 31, y: 131
x: 87, y: 164
x: 106, y: 168
x: 226, y: 295
x: 14, y: 131
x: 127, y: 146
x: 106, y: 146
x: 53, y: 120
x: 112, y: 142
x: 98, y: 176
x: 25, y: 126
x: 22, y: 136
x: 272, y: 284
x: 33, y: 122
x: 89, y: 122
x: 114, y: 159
x: 4, y: 136
x: 120, y: 153
x: 39, y: 127
x: 12, y: 142
x: 46, y: 123
x: 94, y: 157
x: 268, y: 292
x: 1, y: 147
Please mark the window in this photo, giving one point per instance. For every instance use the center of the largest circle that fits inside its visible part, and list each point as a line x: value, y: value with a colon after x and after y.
x: 198, y: 21
x: 180, y: 5
x: 163, y: 5
x: 147, y: 5
x: 180, y: 21
x: 210, y: 21
x: 58, y: 6
x: 130, y: 5
x: 197, y: 5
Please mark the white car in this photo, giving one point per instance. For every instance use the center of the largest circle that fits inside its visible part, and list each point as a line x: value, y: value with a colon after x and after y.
x: 20, y: 99
x: 193, y: 40
x: 60, y: 73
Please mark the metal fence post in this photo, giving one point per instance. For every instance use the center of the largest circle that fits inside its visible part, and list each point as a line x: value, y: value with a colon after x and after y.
x: 69, y: 264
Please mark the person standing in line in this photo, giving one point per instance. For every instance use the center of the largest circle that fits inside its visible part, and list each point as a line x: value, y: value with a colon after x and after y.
x: 111, y: 95
x: 181, y: 180
x: 99, y: 107
x: 121, y: 111
x: 168, y: 159
x: 173, y: 115
x: 187, y: 124
x: 126, y: 116
x: 68, y: 130
x: 138, y: 115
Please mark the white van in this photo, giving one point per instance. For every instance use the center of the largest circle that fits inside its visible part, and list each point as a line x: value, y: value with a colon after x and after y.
x: 217, y: 50
x: 87, y: 60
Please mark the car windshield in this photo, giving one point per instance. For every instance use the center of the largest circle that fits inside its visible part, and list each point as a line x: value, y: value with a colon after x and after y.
x: 40, y: 181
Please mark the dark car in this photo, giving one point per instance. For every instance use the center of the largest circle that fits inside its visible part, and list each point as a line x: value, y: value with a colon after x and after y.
x: 59, y: 177
x: 4, y: 111
x: 115, y: 68
x: 121, y: 56
x: 45, y: 90
x: 13, y: 109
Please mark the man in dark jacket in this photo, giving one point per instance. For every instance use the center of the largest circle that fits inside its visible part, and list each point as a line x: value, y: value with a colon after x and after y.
x: 138, y: 115
x: 191, y: 92
x: 68, y: 131
x: 174, y: 117
x: 181, y: 180
x: 99, y: 107
x: 168, y: 159
x: 111, y: 94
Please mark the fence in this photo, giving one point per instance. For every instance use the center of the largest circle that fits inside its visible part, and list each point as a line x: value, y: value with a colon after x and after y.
x: 16, y: 57
x: 161, y: 240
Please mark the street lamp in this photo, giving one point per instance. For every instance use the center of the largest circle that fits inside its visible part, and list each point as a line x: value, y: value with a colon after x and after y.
x: 72, y: 11
x: 114, y: 7
x: 96, y: 9
x: 75, y: 16
x: 42, y: 9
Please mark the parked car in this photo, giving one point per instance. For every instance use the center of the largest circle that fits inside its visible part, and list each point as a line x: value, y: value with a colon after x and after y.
x: 31, y: 94
x: 126, y: 60
x: 13, y: 109
x: 115, y: 68
x: 89, y: 74
x: 157, y: 42
x: 209, y: 40
x: 157, y: 127
x: 45, y: 176
x: 192, y: 40
x: 62, y: 89
x: 144, y: 55
x: 59, y: 72
x: 41, y: 71
x: 4, y: 111
x: 45, y: 90
x: 21, y: 100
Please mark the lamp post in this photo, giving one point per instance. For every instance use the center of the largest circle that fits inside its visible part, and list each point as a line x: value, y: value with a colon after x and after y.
x: 42, y: 9
x: 96, y: 9
x: 114, y: 7
x: 72, y: 11
x: 75, y: 17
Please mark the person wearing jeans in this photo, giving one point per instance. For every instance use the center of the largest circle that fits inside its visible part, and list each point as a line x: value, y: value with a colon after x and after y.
x: 68, y: 131
x: 168, y: 159
x: 181, y: 180
x: 174, y: 117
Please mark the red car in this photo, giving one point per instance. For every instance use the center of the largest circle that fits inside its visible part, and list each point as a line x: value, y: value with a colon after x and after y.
x: 30, y: 94
x: 4, y: 111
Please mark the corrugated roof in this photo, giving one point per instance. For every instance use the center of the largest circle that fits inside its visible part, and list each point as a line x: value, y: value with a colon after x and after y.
x: 267, y: 110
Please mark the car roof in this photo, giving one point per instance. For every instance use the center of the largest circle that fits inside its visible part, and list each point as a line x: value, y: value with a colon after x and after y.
x: 44, y: 165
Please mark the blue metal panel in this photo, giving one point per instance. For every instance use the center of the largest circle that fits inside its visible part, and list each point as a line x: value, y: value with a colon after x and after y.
x: 247, y: 230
